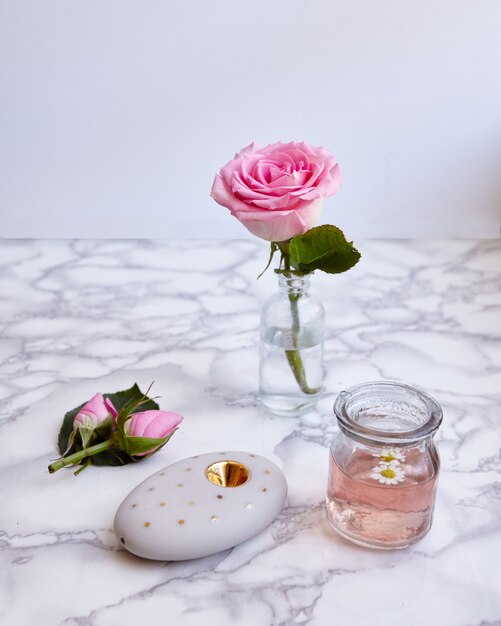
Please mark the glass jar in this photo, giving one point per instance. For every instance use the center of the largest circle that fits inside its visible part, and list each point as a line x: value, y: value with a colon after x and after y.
x: 383, y: 465
x: 291, y: 348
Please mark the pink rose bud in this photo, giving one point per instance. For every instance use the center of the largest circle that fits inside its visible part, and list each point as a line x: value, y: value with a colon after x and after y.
x: 94, y: 412
x: 152, y: 424
x: 277, y: 191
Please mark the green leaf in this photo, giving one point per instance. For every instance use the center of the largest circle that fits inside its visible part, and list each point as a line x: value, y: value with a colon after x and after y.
x: 104, y: 430
x: 323, y: 248
x: 130, y: 401
x: 139, y: 445
x: 91, y: 434
x: 112, y: 458
x: 71, y: 442
x: 273, y: 249
x: 129, y: 397
x: 86, y: 434
x: 66, y: 429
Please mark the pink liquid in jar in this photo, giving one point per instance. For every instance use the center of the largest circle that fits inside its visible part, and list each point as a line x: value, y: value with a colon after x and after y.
x: 374, y: 514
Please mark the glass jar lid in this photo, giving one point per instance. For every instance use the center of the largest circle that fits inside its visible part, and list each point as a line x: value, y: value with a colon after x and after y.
x: 387, y: 413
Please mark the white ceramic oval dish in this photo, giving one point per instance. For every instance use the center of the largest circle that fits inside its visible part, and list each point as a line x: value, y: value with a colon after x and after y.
x: 201, y: 505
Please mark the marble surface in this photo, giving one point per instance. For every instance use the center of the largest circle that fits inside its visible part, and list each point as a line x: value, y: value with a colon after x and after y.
x: 77, y: 317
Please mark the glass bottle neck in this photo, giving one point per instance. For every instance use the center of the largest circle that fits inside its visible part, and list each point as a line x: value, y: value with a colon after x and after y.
x: 294, y: 284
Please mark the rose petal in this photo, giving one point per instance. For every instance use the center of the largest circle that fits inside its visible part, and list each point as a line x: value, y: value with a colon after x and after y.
x: 93, y: 412
x: 273, y: 203
x: 242, y: 190
x: 163, y: 425
x: 138, y: 423
x: 281, y: 225
x: 152, y: 424
x: 225, y: 197
x: 109, y: 405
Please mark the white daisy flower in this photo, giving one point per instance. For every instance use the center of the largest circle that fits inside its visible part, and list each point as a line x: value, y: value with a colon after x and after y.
x: 393, y: 463
x: 390, y: 455
x: 388, y: 474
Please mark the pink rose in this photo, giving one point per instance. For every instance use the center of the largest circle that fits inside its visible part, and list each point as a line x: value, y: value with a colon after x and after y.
x: 95, y: 411
x: 152, y: 424
x: 277, y: 191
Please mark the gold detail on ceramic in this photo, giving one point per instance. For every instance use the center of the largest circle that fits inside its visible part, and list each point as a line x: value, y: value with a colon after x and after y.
x: 227, y: 473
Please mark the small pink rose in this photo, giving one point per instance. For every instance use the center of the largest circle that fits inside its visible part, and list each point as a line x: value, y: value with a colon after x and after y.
x: 277, y: 191
x: 94, y: 412
x: 152, y: 424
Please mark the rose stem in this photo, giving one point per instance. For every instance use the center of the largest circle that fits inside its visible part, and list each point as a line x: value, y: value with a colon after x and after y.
x: 72, y: 459
x: 294, y: 356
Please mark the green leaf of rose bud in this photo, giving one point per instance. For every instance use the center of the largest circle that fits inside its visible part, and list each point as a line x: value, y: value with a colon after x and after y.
x: 65, y: 440
x: 323, y: 248
x: 104, y: 430
x: 125, y: 402
x: 141, y: 445
x: 86, y: 434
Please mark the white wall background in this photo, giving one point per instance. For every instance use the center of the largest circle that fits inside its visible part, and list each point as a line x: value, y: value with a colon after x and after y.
x: 116, y: 114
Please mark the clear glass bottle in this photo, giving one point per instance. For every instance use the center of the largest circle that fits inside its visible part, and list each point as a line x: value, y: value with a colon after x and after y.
x: 291, y: 348
x: 383, y: 465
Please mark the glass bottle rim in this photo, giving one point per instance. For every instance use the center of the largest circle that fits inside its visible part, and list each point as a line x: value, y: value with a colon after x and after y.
x: 294, y: 279
x: 415, y: 414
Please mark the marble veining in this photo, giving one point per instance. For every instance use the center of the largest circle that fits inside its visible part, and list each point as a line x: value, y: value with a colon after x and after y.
x: 77, y: 317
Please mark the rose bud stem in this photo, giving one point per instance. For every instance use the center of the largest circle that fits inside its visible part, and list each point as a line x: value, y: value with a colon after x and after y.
x: 73, y: 459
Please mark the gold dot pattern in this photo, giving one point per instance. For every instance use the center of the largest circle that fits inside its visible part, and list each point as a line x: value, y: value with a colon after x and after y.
x: 213, y: 518
x: 191, y: 502
x: 162, y: 503
x: 147, y: 524
x: 180, y: 522
x: 263, y: 489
